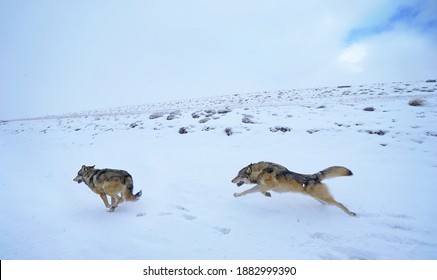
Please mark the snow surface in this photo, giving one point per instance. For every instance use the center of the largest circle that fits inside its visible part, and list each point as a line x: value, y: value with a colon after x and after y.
x: 188, y: 211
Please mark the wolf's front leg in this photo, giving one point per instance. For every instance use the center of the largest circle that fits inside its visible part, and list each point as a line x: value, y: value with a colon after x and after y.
x: 257, y: 188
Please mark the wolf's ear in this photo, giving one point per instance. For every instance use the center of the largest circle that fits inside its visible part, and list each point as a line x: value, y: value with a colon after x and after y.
x: 92, y: 166
x: 249, y: 169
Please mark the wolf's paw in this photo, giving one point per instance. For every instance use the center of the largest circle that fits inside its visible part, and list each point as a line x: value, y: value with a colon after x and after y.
x: 112, y: 209
x: 352, y: 214
x: 268, y: 194
x: 237, y: 195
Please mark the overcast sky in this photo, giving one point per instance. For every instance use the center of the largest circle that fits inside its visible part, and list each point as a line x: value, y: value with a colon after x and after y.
x: 67, y: 56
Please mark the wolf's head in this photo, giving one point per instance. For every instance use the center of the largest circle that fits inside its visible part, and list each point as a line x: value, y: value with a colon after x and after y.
x: 83, y: 171
x: 243, y: 176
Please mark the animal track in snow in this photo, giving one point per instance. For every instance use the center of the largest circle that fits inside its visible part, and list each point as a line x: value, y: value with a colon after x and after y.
x: 223, y: 230
x: 189, y: 217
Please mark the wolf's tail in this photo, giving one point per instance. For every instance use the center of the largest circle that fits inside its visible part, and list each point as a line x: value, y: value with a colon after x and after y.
x: 333, y: 171
x: 128, y: 194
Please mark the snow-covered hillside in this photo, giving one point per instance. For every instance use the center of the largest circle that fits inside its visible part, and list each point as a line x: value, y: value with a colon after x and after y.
x: 183, y: 155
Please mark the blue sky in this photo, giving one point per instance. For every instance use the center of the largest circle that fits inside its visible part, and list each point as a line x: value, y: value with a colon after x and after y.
x: 408, y: 16
x: 66, y: 56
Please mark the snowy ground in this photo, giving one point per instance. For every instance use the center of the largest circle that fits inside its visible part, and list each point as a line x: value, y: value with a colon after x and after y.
x: 188, y: 211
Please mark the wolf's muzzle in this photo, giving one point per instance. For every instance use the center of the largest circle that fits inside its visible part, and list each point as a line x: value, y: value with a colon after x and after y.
x: 239, y: 183
x: 78, y: 180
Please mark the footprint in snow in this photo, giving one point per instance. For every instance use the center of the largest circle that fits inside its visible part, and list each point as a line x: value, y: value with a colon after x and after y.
x: 223, y: 230
x: 396, y: 221
x: 189, y: 217
x: 181, y: 208
x: 185, y: 215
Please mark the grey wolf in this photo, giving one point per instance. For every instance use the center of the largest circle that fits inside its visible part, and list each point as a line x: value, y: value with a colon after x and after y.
x: 110, y: 182
x: 270, y: 176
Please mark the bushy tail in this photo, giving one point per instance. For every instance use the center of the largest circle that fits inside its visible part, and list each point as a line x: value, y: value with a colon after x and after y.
x: 128, y: 194
x: 333, y: 171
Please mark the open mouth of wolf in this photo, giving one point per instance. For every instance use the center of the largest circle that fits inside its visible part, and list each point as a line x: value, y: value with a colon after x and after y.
x: 239, y: 184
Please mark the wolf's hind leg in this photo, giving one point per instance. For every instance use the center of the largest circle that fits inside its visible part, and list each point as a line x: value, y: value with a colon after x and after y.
x: 320, y: 201
x: 321, y: 193
x: 116, y: 200
x: 332, y: 201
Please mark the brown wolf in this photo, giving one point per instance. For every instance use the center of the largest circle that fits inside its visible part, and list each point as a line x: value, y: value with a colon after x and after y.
x: 110, y: 182
x: 274, y: 177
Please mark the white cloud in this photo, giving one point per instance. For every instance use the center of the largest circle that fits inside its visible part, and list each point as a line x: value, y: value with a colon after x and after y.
x: 391, y: 56
x: 353, y: 57
x: 402, y: 56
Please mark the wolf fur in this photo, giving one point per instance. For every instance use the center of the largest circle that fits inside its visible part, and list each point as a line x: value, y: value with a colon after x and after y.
x: 110, y: 182
x: 270, y: 176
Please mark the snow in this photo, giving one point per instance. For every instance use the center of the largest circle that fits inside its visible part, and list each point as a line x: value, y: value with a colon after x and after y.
x: 188, y: 210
